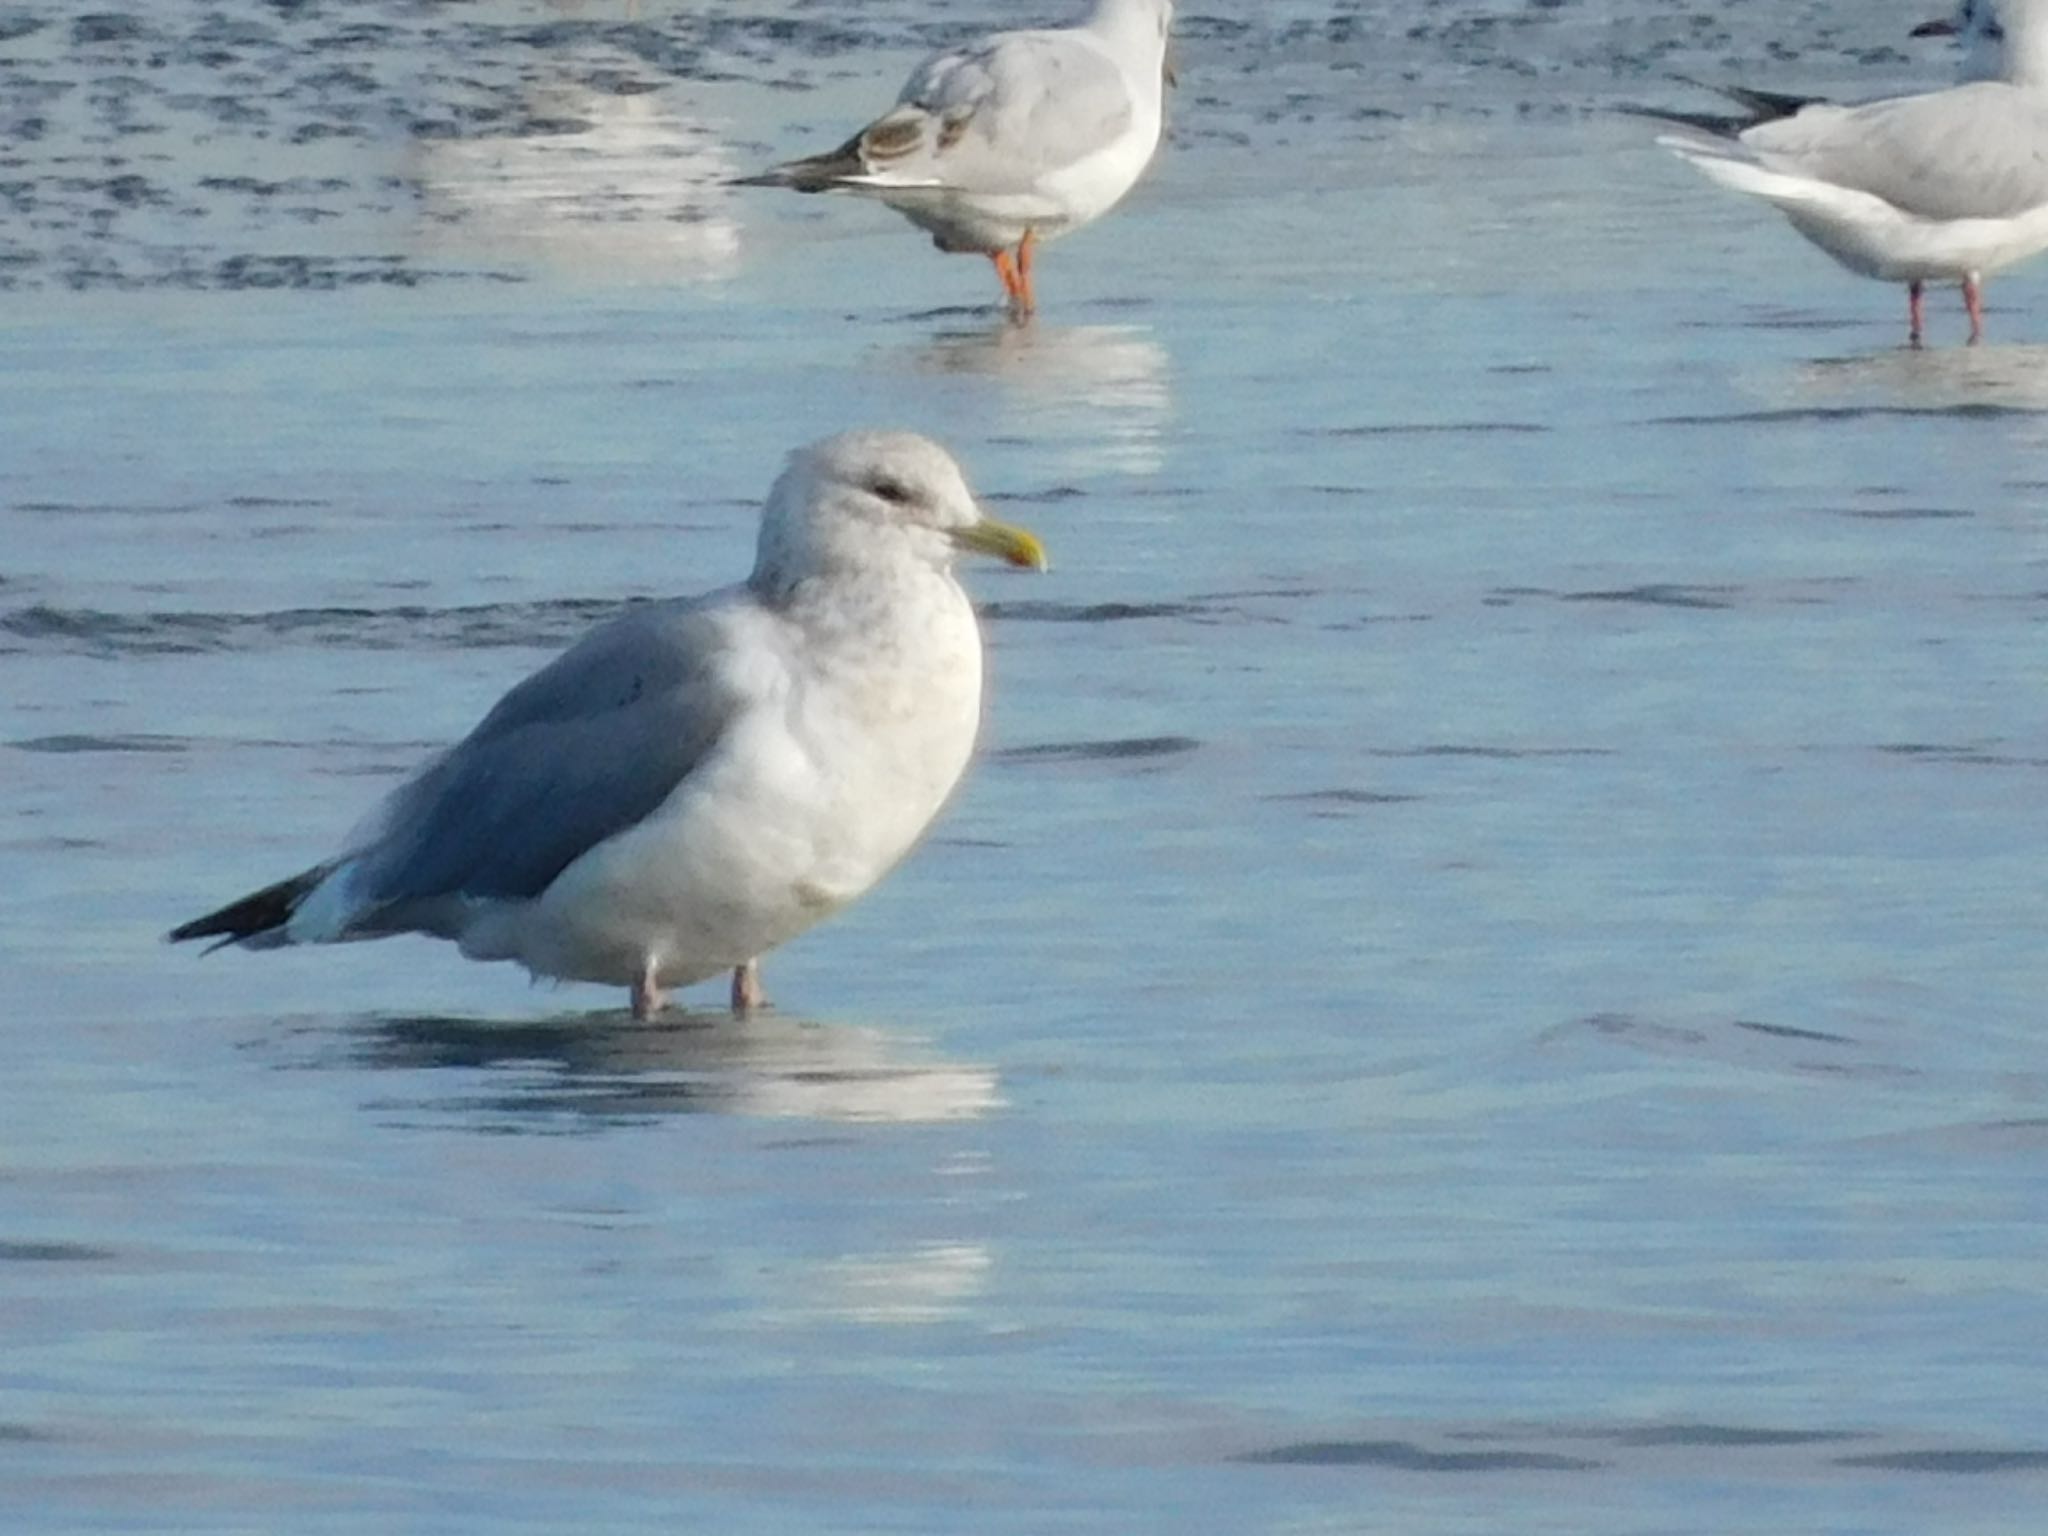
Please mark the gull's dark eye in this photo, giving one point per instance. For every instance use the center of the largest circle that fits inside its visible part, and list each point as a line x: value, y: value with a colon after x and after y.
x: 891, y: 490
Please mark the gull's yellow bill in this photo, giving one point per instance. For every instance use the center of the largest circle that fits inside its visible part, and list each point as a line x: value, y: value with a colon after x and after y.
x: 1006, y: 541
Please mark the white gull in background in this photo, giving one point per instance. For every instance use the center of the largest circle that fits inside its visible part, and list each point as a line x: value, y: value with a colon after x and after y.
x: 698, y: 780
x: 1013, y: 140
x: 1945, y: 186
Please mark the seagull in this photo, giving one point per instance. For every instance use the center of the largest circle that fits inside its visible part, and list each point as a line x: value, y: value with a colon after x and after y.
x: 1944, y: 186
x: 1013, y: 140
x: 701, y: 779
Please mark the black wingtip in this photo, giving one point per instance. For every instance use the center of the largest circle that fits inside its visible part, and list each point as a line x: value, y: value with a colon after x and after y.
x: 258, y: 913
x: 816, y: 173
x: 1758, y: 107
x: 797, y: 176
x: 1720, y: 125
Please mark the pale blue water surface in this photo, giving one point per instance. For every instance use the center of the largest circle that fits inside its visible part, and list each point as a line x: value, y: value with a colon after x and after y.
x: 1489, y: 978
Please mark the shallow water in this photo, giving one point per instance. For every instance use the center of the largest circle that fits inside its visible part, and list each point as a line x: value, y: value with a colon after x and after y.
x: 1489, y: 976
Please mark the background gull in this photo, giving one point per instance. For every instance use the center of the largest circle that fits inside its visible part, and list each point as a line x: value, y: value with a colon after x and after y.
x: 1980, y: 36
x: 699, y: 780
x: 1945, y: 186
x: 1980, y: 45
x: 1014, y: 140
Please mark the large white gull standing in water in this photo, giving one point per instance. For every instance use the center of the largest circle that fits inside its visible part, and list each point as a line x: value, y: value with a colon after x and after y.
x: 702, y: 779
x: 1013, y: 140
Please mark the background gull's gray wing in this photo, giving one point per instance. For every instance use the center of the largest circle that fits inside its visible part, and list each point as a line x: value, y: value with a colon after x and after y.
x: 998, y: 117
x: 1975, y: 151
x: 583, y: 749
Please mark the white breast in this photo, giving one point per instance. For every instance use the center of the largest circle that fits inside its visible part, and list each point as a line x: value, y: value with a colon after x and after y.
x: 855, y: 735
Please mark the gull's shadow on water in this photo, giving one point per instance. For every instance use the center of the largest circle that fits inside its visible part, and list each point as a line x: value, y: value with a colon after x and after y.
x: 1102, y: 393
x: 589, y: 1071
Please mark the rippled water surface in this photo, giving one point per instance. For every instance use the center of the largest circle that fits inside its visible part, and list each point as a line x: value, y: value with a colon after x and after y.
x: 1489, y: 978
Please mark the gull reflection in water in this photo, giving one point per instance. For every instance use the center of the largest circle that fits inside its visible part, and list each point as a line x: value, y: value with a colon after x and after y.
x: 2011, y: 378
x: 926, y: 1284
x: 591, y: 1070
x: 1100, y: 395
x: 620, y: 181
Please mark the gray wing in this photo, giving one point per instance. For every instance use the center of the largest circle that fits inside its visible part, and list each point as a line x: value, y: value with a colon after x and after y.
x: 1975, y: 151
x: 998, y: 117
x: 584, y: 748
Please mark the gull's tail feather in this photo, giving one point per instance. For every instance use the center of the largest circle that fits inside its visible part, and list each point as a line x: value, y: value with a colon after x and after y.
x: 1734, y: 168
x: 257, y: 920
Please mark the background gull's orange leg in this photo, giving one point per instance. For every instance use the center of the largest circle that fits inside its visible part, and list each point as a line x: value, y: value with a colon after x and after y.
x: 1006, y: 269
x: 1027, y: 301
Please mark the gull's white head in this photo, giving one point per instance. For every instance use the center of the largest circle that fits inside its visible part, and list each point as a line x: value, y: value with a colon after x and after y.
x: 1998, y: 39
x: 867, y: 501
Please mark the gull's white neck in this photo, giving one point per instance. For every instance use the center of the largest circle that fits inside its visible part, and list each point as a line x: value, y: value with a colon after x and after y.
x: 2025, y: 45
x: 2026, y: 61
x: 1131, y: 27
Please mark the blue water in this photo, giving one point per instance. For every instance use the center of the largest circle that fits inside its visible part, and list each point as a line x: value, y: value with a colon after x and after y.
x: 1488, y: 978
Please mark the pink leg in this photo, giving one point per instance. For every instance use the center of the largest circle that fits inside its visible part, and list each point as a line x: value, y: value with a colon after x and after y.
x: 748, y: 994
x: 647, y: 996
x: 1973, y: 301
x: 1916, y: 311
